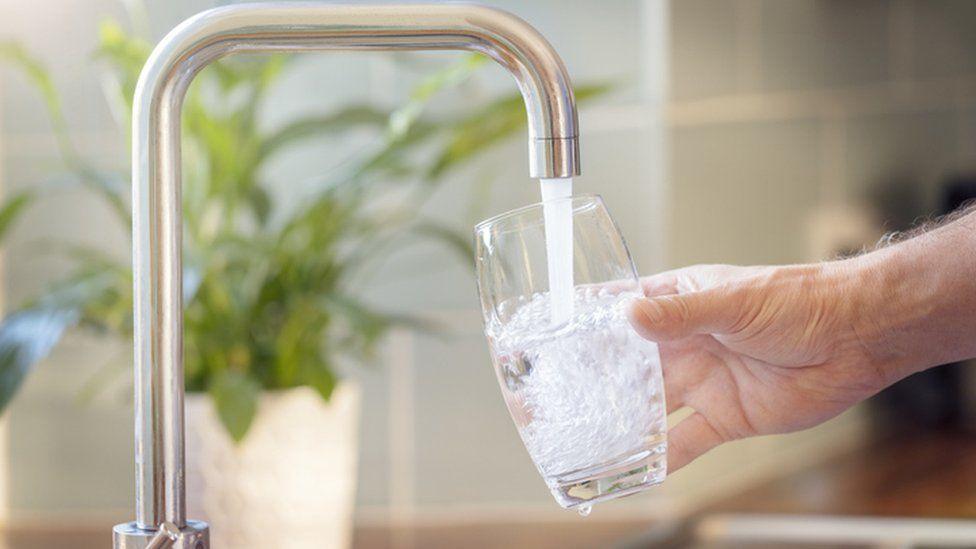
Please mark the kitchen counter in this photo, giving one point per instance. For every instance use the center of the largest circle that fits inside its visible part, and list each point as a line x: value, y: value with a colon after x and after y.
x: 923, y: 478
x: 910, y: 483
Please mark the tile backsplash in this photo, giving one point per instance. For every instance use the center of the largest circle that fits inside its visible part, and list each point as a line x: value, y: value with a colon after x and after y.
x: 785, y: 107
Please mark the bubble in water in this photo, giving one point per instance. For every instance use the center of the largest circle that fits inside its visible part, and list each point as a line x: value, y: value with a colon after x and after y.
x: 582, y: 389
x: 584, y: 511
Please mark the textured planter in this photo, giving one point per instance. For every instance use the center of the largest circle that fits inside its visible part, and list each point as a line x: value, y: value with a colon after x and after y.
x: 290, y: 484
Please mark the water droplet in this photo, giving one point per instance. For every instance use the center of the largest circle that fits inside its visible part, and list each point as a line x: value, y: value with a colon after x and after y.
x: 584, y: 511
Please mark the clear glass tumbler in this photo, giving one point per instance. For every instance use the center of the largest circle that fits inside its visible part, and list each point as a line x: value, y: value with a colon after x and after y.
x: 585, y: 391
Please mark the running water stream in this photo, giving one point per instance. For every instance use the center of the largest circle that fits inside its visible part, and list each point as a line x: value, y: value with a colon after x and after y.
x: 557, y: 209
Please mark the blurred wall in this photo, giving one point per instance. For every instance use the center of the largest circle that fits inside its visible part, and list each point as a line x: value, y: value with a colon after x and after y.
x: 782, y: 110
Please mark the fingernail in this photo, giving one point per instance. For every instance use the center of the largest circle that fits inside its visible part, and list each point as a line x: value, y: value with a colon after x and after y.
x: 652, y: 311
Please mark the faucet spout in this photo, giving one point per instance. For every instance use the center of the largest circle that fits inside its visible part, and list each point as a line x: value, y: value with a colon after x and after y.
x: 156, y: 182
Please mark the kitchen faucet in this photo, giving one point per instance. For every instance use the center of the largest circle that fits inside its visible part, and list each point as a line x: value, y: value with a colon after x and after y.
x: 156, y: 188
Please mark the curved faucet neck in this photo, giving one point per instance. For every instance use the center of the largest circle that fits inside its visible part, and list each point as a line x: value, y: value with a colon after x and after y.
x: 156, y: 178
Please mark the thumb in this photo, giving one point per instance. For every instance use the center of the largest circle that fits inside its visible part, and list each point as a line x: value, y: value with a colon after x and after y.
x: 664, y: 318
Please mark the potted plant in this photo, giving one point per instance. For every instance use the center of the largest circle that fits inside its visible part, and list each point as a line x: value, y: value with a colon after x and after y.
x: 272, y: 304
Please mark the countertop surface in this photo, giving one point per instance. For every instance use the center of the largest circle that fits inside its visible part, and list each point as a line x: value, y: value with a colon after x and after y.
x: 920, y: 477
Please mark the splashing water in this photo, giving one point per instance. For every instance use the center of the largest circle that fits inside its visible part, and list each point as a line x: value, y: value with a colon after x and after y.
x: 582, y: 394
x: 558, y: 213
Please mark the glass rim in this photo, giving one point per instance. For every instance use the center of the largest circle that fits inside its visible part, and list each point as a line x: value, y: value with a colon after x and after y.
x: 495, y: 219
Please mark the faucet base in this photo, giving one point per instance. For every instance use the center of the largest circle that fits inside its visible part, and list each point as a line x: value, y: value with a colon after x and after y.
x: 196, y: 535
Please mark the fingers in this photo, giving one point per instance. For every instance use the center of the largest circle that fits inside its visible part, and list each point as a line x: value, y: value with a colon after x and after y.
x: 661, y: 284
x: 686, y: 365
x: 670, y: 317
x: 689, y: 439
x: 673, y: 281
x: 679, y: 375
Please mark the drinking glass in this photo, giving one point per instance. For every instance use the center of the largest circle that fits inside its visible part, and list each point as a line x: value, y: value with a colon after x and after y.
x: 585, y: 391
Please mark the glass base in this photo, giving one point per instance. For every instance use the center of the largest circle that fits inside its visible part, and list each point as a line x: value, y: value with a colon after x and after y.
x: 617, y: 478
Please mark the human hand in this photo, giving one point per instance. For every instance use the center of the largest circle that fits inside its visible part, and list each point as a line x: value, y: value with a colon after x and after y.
x: 758, y: 350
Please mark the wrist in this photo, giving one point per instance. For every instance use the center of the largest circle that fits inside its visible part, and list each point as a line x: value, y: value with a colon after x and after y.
x: 858, y: 286
x: 880, y: 312
x: 890, y: 299
x: 913, y: 302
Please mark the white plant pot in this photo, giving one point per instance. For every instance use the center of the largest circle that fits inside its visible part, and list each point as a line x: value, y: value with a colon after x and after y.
x: 290, y: 484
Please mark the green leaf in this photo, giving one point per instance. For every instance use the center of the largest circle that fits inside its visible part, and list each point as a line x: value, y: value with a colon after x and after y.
x: 10, y: 211
x: 492, y: 124
x: 126, y: 55
x: 320, y: 377
x: 458, y: 241
x: 313, y: 126
x: 586, y: 92
x: 366, y: 326
x: 403, y: 118
x: 26, y: 337
x: 108, y: 374
x: 109, y: 188
x: 86, y: 256
x: 365, y: 323
x: 260, y: 203
x: 235, y: 397
x: 41, y: 79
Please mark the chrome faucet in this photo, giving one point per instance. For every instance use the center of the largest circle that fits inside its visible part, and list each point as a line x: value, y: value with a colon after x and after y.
x: 156, y: 188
